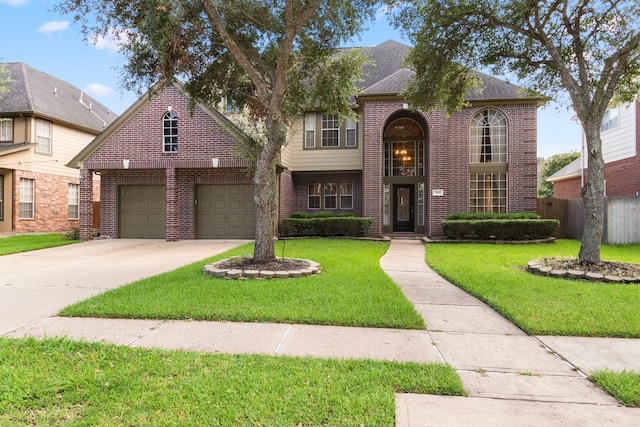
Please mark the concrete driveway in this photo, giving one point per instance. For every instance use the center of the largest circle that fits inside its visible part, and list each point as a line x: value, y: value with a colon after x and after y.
x: 38, y: 284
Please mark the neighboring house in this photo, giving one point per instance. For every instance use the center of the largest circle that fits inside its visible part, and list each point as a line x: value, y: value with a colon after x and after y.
x: 620, y: 135
x: 167, y: 172
x: 44, y: 122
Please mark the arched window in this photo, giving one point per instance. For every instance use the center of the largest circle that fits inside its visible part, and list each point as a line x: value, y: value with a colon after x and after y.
x: 404, y: 148
x: 488, y: 162
x: 170, y: 134
x: 488, y: 137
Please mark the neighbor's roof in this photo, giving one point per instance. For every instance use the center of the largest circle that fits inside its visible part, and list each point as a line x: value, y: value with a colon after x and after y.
x: 388, y: 75
x: 34, y: 92
x: 572, y: 170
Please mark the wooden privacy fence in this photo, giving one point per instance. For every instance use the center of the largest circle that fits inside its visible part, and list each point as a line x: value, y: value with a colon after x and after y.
x: 621, y: 218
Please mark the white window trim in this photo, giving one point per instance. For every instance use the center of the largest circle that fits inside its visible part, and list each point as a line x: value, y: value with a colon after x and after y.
x: 608, y: 121
x: 30, y: 191
x: 44, y: 141
x: 74, y: 201
x: 310, y: 130
x: 330, y: 118
x: 6, y: 129
x: 170, y: 118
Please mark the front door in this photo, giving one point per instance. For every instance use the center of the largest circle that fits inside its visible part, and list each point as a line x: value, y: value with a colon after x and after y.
x: 403, y: 211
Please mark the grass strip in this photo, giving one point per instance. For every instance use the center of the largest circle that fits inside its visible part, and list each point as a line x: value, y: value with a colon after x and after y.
x: 32, y: 242
x: 542, y: 305
x: 624, y: 386
x: 352, y: 290
x: 61, y: 382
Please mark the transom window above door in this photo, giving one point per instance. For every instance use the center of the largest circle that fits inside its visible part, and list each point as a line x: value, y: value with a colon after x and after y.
x: 403, y: 148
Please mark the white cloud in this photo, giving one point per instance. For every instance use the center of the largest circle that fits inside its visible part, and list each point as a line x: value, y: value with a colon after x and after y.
x: 112, y: 41
x: 14, y: 2
x: 96, y: 89
x: 53, y: 26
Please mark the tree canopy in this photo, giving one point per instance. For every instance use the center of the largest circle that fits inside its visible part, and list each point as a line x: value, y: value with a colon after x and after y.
x: 551, y: 165
x: 274, y: 57
x: 5, y: 78
x: 585, y: 49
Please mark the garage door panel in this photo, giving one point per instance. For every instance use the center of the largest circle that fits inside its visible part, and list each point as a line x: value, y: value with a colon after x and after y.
x: 225, y: 211
x: 142, y: 211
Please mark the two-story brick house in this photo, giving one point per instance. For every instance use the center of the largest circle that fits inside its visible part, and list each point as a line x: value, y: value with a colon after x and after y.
x: 44, y: 122
x: 620, y: 135
x: 169, y: 173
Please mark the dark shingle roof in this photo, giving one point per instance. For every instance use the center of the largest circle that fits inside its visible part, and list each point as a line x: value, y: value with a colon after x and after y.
x: 34, y: 92
x: 571, y: 170
x: 388, y: 75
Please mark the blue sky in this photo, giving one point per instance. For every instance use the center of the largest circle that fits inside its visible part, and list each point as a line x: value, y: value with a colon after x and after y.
x: 48, y: 42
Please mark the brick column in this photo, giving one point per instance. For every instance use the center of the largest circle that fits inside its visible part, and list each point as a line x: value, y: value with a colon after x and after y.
x: 86, y: 204
x: 172, y: 216
x: 374, y: 115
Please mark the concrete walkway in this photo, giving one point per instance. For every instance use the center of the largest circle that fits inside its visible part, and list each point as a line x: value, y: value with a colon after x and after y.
x: 511, y: 378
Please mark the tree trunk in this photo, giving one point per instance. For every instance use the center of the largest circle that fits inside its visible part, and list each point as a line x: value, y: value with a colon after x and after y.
x: 593, y: 196
x: 265, y: 193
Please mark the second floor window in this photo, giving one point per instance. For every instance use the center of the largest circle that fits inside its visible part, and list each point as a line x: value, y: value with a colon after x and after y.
x: 330, y: 130
x: 324, y: 130
x: 488, y: 137
x: 43, y: 136
x: 611, y: 120
x: 170, y: 133
x: 6, y: 129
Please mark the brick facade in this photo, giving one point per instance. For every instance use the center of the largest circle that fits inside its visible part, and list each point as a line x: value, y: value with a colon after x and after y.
x: 568, y: 188
x: 132, y: 155
x: 447, y: 159
x: 51, y: 203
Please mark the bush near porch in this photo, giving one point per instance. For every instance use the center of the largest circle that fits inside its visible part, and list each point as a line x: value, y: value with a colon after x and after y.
x: 325, y: 224
x: 491, y: 226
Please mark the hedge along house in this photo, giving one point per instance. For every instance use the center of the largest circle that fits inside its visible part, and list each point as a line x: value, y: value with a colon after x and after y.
x: 169, y: 173
x: 44, y: 122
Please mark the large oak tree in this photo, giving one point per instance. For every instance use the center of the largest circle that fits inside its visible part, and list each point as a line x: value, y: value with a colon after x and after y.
x: 274, y: 57
x: 586, y: 49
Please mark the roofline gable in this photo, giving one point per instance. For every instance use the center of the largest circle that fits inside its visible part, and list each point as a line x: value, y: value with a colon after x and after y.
x: 137, y: 106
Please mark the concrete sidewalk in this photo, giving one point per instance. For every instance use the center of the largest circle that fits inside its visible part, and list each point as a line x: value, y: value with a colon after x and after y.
x: 511, y: 378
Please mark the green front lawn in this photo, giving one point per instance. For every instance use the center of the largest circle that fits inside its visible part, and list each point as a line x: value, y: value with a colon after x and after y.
x: 32, y: 242
x: 59, y: 382
x: 546, y: 306
x: 541, y: 305
x: 352, y: 290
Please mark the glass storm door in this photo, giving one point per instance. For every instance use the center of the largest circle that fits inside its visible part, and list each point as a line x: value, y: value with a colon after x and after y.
x: 403, y: 208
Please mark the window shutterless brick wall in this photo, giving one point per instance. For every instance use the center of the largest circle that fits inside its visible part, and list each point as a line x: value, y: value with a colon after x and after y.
x: 301, y: 183
x: 51, y: 198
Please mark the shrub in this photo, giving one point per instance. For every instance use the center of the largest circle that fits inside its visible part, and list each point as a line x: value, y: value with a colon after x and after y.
x: 500, y: 229
x: 491, y: 215
x: 321, y: 214
x: 73, y: 234
x: 326, y: 226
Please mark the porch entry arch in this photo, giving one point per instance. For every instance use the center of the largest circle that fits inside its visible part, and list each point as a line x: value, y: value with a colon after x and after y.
x: 405, y: 172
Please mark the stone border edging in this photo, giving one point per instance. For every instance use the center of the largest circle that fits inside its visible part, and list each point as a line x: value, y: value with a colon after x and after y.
x: 236, y: 273
x: 535, y: 268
